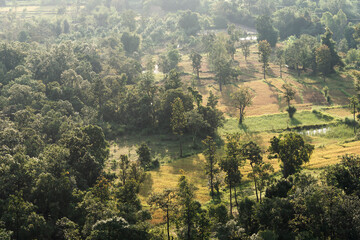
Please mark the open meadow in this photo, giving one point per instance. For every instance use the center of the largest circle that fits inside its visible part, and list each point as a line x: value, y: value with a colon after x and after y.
x: 320, y: 122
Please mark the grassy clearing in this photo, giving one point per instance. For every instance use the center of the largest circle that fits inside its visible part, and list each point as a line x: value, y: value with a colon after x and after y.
x: 265, y: 118
x: 275, y: 122
x: 340, y: 132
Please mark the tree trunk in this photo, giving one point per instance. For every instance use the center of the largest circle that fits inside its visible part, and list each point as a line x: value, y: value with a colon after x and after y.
x: 256, y: 190
x: 298, y: 70
x: 181, y: 150
x: 280, y: 70
x: 264, y: 67
x: 231, y: 215
x: 236, y: 201
x: 354, y: 120
x: 240, y: 117
x: 211, y: 180
x: 189, y: 225
x: 220, y: 86
x: 198, y: 74
x: 168, y: 222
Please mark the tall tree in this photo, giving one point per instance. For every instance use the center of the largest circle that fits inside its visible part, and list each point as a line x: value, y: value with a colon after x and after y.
x: 211, y: 160
x: 264, y: 55
x: 263, y: 173
x: 354, y: 106
x: 178, y: 119
x: 224, y: 72
x: 187, y: 205
x: 289, y: 94
x: 189, y: 22
x: 280, y: 59
x: 144, y: 155
x: 242, y: 99
x: 196, y: 62
x: 356, y: 33
x: 124, y: 168
x: 169, y: 60
x: 323, y: 60
x: 356, y: 75
x: 327, y: 40
x: 252, y: 152
x: 292, y: 150
x: 266, y: 30
x: 220, y: 61
x: 196, y: 124
x: 131, y: 42
x: 230, y: 165
x: 245, y: 48
x: 164, y: 200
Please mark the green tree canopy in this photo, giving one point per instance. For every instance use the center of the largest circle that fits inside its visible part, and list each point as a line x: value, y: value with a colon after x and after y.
x: 292, y: 150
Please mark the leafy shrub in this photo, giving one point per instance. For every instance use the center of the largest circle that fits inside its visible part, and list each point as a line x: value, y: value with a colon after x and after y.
x: 291, y: 110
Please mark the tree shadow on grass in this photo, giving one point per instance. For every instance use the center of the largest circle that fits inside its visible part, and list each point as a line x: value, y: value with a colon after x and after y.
x: 243, y: 127
x: 147, y: 187
x: 295, y: 122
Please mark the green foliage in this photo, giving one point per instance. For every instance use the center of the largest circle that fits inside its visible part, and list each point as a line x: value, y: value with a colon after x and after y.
x: 166, y: 202
x: 323, y: 60
x: 220, y: 61
x: 131, y: 42
x: 261, y: 172
x: 88, y: 152
x: 353, y: 58
x: 326, y: 39
x: 169, y: 61
x: 242, y: 99
x: 144, y: 155
x: 336, y: 23
x: 292, y: 150
x: 279, y: 189
x: 264, y: 54
x: 76, y: 77
x: 275, y: 214
x: 4, y: 234
x: 210, y: 168
x: 300, y: 52
x: 189, y: 22
x: 196, y: 62
x: 247, y: 215
x: 266, y: 30
x: 11, y: 55
x: 230, y: 164
x: 291, y: 111
x: 68, y: 229
x: 178, y: 120
x: 172, y: 80
x: 114, y: 227
x: 345, y: 175
x: 245, y: 48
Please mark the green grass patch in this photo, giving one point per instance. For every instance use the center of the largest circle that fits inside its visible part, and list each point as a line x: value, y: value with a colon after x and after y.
x: 275, y: 122
x: 340, y: 131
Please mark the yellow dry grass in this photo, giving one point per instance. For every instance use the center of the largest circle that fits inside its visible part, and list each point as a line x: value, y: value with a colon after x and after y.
x: 329, y: 154
x: 339, y: 112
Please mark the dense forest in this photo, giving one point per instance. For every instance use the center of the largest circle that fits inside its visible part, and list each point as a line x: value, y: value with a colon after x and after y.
x: 179, y: 119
